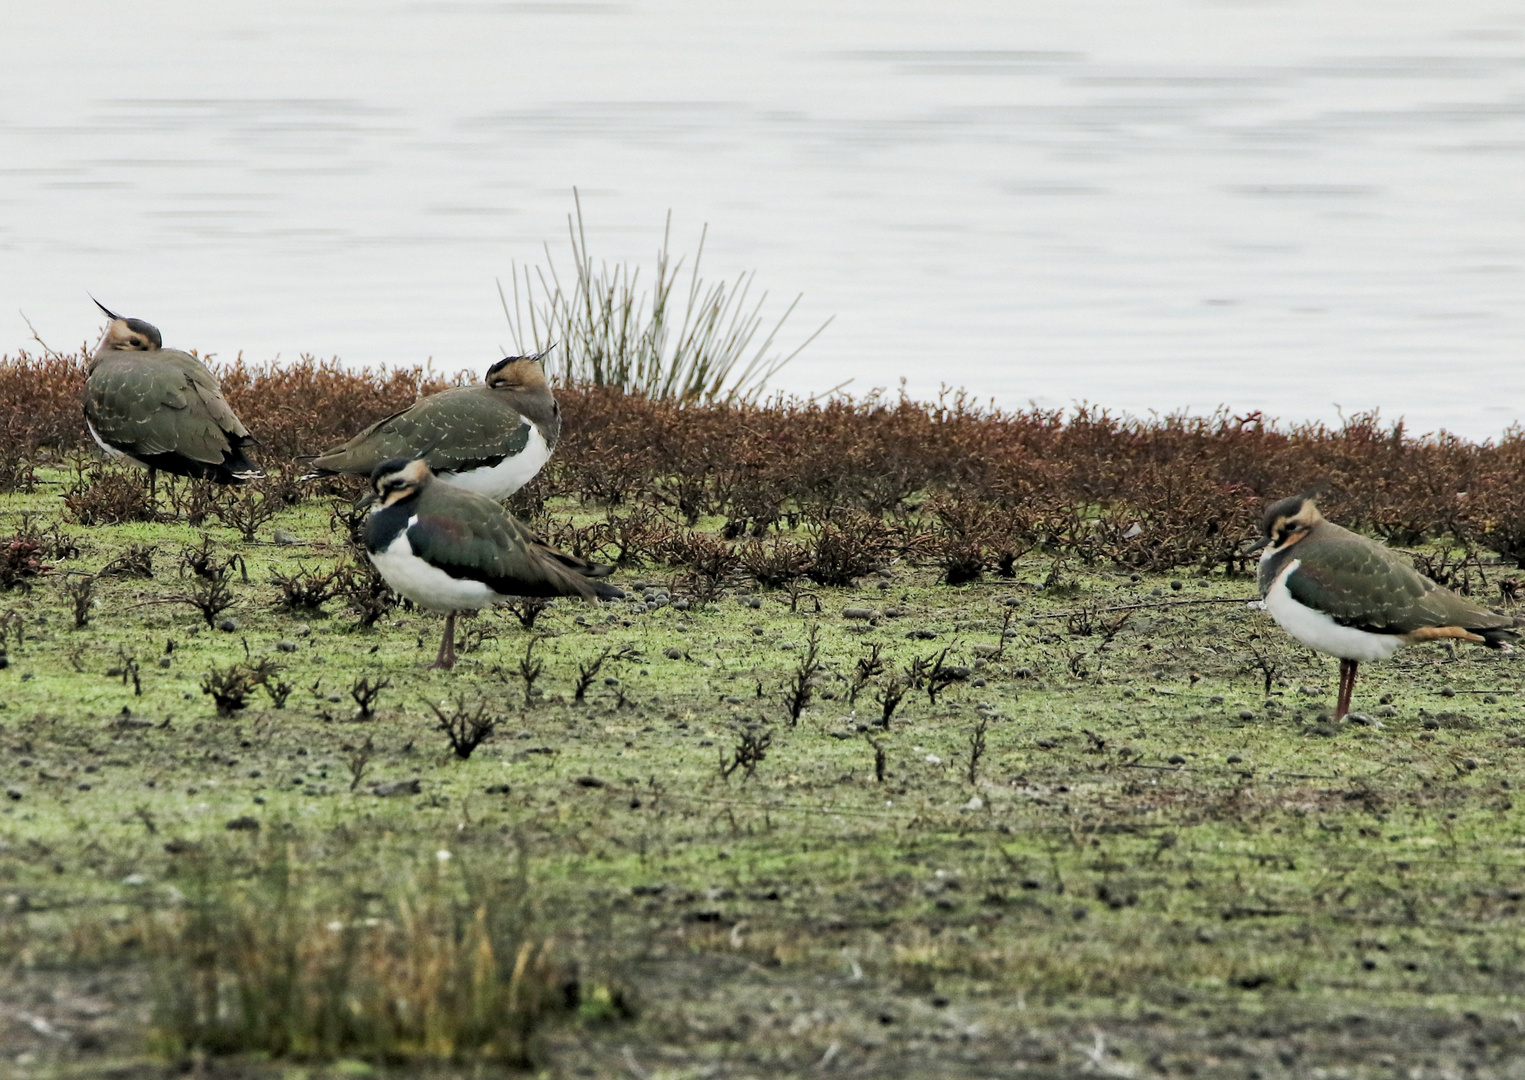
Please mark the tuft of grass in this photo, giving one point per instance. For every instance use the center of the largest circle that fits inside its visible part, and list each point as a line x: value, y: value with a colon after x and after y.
x: 444, y: 968
x: 706, y: 342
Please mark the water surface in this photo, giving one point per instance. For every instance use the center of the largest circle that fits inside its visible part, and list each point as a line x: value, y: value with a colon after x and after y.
x: 1288, y: 206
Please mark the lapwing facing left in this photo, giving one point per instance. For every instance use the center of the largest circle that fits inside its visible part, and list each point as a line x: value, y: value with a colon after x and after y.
x: 1342, y: 594
x: 491, y: 438
x: 162, y: 408
x: 450, y: 550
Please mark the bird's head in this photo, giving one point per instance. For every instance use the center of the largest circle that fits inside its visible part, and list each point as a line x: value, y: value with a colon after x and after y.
x: 399, y: 479
x: 519, y: 372
x: 127, y: 335
x: 1287, y: 521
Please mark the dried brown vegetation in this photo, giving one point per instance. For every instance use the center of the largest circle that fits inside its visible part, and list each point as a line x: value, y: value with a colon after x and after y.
x: 967, y: 487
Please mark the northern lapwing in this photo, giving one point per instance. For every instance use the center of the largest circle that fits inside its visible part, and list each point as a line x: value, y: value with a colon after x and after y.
x: 491, y: 438
x: 1342, y: 594
x: 162, y: 408
x: 450, y: 550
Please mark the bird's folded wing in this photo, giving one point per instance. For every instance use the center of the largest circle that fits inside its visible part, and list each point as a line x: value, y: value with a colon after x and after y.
x: 1367, y: 586
x: 461, y: 430
x: 492, y: 550
x: 156, y: 408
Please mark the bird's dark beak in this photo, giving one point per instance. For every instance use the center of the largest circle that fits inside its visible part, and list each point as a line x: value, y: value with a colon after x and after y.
x: 1257, y: 545
x: 111, y: 314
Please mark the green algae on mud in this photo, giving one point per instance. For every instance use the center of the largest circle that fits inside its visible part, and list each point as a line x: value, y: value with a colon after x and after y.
x: 1152, y: 845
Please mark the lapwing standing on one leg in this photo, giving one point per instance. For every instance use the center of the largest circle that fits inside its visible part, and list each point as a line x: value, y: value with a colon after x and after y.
x: 491, y: 438
x: 1342, y: 594
x: 451, y: 550
x: 162, y: 408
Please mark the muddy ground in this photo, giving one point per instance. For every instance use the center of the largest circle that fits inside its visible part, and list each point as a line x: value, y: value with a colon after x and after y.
x: 1154, y: 867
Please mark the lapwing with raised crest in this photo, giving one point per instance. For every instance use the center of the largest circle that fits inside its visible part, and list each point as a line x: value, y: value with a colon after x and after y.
x: 162, y: 408
x: 490, y: 438
x: 1340, y: 593
x: 450, y: 550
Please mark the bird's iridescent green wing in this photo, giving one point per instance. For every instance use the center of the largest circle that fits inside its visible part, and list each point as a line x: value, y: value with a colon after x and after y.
x: 149, y: 405
x: 469, y: 535
x: 1359, y: 582
x: 461, y: 428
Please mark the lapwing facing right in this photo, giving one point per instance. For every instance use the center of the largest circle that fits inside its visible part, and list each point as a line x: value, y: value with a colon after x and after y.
x: 1342, y: 594
x: 450, y: 550
x: 491, y: 438
x: 162, y: 408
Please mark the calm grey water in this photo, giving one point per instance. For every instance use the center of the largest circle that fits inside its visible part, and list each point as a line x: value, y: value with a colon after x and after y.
x: 1286, y: 205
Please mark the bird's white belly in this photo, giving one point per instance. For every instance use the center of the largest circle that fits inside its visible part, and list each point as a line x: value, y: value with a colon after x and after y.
x: 1318, y: 631
x: 428, y: 586
x: 507, y: 476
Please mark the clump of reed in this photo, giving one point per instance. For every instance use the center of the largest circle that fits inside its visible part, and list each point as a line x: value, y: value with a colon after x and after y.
x: 445, y: 967
x: 700, y: 341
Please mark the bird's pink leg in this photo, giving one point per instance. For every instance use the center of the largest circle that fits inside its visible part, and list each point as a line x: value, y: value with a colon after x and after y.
x: 446, y: 658
x: 1347, y: 689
